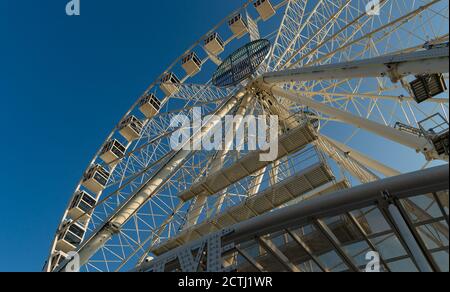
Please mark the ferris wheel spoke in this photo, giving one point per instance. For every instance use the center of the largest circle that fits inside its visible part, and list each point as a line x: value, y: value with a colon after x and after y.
x: 145, y: 155
x: 147, y: 207
x: 385, y: 31
x: 201, y: 93
x: 347, y: 163
x: 296, y: 35
x: 321, y: 38
x: 349, y: 41
x: 148, y: 191
x: 415, y: 142
x: 320, y: 22
x: 345, y: 81
x: 319, y: 35
x: 288, y: 30
x: 151, y: 151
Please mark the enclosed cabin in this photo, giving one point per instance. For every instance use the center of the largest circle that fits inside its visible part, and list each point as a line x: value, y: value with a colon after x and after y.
x: 82, y: 206
x: 149, y: 105
x: 238, y: 25
x: 214, y: 44
x: 112, y: 151
x: 170, y: 84
x: 427, y: 86
x: 436, y: 130
x: 96, y: 179
x: 265, y: 9
x: 191, y: 63
x: 71, y: 238
x: 131, y: 128
x: 57, y: 259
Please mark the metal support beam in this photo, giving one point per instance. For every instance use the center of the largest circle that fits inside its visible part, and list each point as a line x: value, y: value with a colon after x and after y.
x: 401, y: 227
x: 416, y: 183
x: 369, y: 242
x: 306, y: 248
x: 270, y: 247
x: 329, y: 205
x: 326, y: 231
x: 441, y: 207
x: 218, y: 163
x: 131, y: 206
x: 420, y: 144
x: 374, y: 96
x: 395, y: 67
x: 251, y: 260
x: 343, y: 159
x: 363, y: 159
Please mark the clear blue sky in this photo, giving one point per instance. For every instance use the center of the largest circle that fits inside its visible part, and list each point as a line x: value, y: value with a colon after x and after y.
x: 64, y: 83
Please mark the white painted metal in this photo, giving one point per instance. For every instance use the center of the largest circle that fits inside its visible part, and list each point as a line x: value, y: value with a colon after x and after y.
x: 148, y: 190
x: 419, y: 144
x: 364, y: 159
x: 395, y: 67
x: 126, y: 221
x: 197, y: 209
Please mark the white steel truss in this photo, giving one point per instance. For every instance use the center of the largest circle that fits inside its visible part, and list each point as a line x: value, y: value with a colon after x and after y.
x: 329, y: 63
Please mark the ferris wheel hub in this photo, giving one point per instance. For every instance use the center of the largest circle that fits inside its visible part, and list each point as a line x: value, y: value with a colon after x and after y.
x: 242, y: 64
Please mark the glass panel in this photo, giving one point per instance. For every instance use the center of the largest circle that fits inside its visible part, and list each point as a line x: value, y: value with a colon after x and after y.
x: 254, y: 251
x: 75, y: 201
x: 72, y: 239
x: 89, y: 200
x: 309, y: 267
x: 295, y: 253
x: 280, y: 240
x: 333, y: 262
x: 353, y: 242
x: 100, y: 179
x: 77, y: 230
x: 358, y: 252
x: 321, y: 248
x: 389, y: 246
x: 405, y: 265
x: 271, y: 263
x: 84, y: 207
x: 344, y: 229
x: 434, y: 235
x: 371, y: 220
x: 442, y: 259
x: 245, y: 266
x: 422, y: 208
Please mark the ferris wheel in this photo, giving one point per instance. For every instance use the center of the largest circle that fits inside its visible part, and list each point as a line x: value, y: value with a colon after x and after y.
x: 337, y: 73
